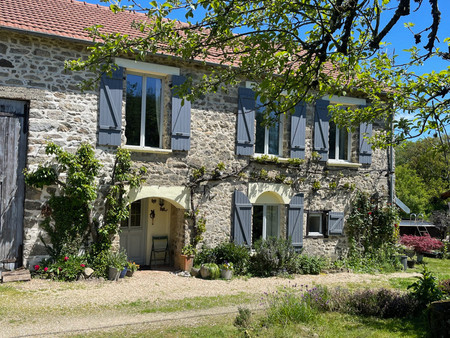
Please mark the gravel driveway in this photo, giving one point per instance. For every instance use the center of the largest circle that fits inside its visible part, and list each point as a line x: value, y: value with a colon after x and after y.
x: 54, y: 301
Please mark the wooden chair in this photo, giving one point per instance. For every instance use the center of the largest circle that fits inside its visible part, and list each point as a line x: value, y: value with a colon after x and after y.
x: 160, y: 246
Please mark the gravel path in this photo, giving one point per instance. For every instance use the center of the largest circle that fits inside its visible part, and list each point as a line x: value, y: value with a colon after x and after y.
x: 55, y: 302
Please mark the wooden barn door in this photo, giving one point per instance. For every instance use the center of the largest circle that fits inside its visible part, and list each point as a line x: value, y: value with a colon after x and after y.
x: 13, y: 152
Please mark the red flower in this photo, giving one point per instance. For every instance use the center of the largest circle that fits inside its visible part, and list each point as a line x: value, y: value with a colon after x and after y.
x: 370, y: 212
x: 36, y: 267
x: 45, y: 269
x: 66, y: 258
x: 60, y: 268
x: 82, y: 265
x: 396, y: 225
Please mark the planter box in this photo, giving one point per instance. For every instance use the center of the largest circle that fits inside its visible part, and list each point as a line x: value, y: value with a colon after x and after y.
x: 226, y: 274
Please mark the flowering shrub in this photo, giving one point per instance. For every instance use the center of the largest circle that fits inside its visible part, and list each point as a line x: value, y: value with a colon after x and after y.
x: 66, y: 268
x: 371, y: 223
x: 421, y: 244
x: 132, y: 266
x: 227, y: 266
x: 382, y: 303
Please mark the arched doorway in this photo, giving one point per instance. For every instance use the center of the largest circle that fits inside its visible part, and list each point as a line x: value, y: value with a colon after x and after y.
x: 155, y: 212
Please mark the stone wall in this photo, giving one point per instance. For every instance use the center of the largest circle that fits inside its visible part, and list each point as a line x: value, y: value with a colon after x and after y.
x: 32, y: 68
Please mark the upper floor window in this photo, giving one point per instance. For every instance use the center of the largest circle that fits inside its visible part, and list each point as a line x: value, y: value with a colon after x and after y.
x: 267, y: 140
x: 143, y: 112
x: 340, y: 143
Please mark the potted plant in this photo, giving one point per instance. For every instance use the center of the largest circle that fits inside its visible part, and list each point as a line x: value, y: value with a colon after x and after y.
x: 210, y: 271
x: 131, y: 268
x: 226, y: 270
x: 117, y: 261
x: 421, y: 244
x: 187, y: 257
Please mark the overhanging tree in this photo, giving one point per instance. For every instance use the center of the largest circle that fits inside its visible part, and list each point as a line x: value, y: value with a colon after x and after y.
x: 294, y: 51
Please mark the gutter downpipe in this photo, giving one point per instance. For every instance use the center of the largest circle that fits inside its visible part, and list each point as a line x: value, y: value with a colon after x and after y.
x: 391, y: 162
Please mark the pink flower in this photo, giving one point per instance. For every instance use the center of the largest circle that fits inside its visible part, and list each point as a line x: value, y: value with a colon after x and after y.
x: 36, y: 267
x: 66, y: 258
x: 45, y: 269
x: 82, y: 265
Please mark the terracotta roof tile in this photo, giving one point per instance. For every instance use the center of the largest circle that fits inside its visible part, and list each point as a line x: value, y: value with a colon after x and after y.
x: 69, y: 18
x: 64, y: 18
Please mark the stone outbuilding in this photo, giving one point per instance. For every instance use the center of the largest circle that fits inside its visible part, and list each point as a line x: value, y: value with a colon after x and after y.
x: 252, y: 186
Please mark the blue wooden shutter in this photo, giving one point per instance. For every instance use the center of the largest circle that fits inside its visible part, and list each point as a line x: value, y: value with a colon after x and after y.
x: 365, y: 150
x: 242, y: 219
x: 181, y: 118
x: 321, y: 125
x: 110, y: 106
x: 335, y: 223
x: 295, y: 221
x: 298, y: 130
x: 245, y: 135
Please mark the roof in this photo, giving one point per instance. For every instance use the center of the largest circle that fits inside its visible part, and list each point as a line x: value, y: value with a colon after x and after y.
x: 69, y: 18
x: 64, y: 18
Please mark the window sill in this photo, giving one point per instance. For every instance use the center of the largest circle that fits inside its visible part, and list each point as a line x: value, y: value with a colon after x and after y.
x: 148, y: 150
x: 340, y: 163
x: 314, y: 235
x: 279, y: 159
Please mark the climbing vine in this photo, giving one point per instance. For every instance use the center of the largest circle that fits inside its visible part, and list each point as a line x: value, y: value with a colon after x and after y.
x: 69, y: 221
x: 371, y: 223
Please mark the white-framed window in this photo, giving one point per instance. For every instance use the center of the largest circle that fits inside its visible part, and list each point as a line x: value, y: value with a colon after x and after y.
x: 268, y: 139
x: 340, y: 143
x: 315, y: 224
x: 144, y: 110
x: 134, y: 220
x: 266, y: 222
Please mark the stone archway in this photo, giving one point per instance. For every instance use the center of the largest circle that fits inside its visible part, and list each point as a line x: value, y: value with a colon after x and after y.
x: 162, y: 214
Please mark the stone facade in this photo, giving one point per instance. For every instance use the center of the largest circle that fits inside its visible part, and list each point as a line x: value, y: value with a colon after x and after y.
x: 32, y: 69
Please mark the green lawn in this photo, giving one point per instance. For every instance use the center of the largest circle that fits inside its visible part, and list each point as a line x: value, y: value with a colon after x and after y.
x: 439, y: 267
x: 327, y: 325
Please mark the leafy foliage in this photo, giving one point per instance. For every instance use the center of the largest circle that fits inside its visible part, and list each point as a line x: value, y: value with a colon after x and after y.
x: 69, y: 221
x: 288, y: 47
x: 69, y: 213
x: 275, y: 256
x: 422, y: 174
x: 243, y: 319
x: 64, y: 268
x: 371, y: 224
x: 426, y: 288
x: 272, y: 257
x: 239, y: 255
x: 381, y: 303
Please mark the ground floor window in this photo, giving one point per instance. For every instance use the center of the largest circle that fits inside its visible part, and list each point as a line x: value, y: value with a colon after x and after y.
x: 266, y: 222
x: 315, y: 225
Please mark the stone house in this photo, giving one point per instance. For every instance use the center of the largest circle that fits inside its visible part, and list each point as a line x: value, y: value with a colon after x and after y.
x: 250, y: 196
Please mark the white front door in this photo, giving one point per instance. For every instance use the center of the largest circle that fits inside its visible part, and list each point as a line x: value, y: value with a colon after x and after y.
x: 132, y: 236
